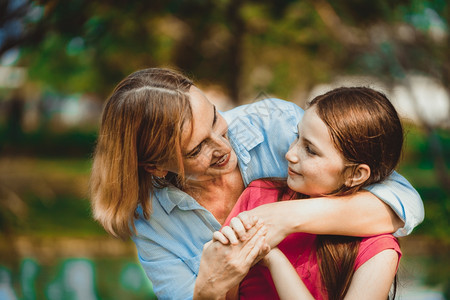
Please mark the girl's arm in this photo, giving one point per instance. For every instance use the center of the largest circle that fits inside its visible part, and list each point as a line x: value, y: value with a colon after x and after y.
x: 287, y: 282
x: 361, y: 214
x: 374, y: 278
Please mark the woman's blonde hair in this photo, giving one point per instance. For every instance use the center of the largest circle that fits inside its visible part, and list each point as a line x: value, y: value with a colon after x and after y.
x: 141, y: 126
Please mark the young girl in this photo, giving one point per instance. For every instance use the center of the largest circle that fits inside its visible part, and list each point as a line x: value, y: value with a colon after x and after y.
x: 349, y: 138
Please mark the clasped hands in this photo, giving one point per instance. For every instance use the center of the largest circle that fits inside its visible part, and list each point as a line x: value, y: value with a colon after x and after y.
x: 227, y: 258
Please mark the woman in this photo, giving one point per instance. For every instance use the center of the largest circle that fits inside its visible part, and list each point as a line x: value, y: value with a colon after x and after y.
x: 168, y: 168
x: 348, y: 138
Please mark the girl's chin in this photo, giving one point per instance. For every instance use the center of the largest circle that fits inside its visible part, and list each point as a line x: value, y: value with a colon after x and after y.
x: 299, y: 187
x: 295, y: 186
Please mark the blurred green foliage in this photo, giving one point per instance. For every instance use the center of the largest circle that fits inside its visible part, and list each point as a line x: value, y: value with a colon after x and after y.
x: 80, y: 278
x: 48, y: 142
x: 418, y: 166
x: 244, y: 46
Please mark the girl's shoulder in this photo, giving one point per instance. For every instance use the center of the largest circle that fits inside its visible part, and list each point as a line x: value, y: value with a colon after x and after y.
x: 382, y: 239
x: 274, y: 188
x: 371, y: 246
x: 267, y: 183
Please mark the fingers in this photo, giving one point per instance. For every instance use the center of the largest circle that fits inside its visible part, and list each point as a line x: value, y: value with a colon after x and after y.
x: 239, y: 229
x: 229, y: 233
x: 247, y: 220
x: 265, y: 249
x: 256, y: 245
x: 238, y: 256
x: 254, y: 230
x: 254, y: 251
x: 220, y: 237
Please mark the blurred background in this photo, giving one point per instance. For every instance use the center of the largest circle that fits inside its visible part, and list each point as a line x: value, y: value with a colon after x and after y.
x: 59, y: 60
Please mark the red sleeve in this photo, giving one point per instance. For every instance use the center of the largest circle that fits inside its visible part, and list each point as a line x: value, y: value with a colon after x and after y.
x: 257, y: 193
x: 371, y: 246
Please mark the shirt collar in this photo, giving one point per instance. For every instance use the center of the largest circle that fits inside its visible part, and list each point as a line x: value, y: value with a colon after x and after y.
x: 170, y: 196
x: 244, y: 136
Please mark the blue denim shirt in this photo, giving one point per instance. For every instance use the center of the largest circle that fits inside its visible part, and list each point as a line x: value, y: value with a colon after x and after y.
x: 170, y: 243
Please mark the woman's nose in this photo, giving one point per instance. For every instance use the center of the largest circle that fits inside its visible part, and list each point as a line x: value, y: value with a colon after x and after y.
x: 220, y: 145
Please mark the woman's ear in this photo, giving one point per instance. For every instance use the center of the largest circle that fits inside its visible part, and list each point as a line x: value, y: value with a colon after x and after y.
x: 155, y: 170
x: 359, y: 175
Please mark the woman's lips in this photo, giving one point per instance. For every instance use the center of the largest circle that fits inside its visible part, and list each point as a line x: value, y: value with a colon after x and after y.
x: 222, y: 161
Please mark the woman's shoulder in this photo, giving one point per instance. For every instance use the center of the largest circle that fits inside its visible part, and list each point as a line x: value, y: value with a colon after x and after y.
x: 265, y: 107
x: 264, y: 114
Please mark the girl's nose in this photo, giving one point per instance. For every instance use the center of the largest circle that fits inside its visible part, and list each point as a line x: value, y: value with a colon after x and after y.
x: 291, y: 156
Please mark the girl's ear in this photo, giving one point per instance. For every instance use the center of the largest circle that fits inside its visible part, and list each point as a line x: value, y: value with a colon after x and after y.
x: 360, y: 174
x: 155, y: 170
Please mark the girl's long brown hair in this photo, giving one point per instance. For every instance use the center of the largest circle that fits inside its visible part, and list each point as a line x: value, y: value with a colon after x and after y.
x: 366, y: 129
x: 141, y: 126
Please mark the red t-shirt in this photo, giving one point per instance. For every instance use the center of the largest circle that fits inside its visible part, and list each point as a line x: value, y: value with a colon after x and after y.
x: 299, y: 248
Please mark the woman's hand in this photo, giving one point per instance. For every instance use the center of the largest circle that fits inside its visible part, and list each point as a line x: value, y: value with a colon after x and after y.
x: 224, y: 266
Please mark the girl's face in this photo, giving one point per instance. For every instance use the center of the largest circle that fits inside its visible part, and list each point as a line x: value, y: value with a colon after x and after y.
x: 316, y: 167
x: 207, y: 153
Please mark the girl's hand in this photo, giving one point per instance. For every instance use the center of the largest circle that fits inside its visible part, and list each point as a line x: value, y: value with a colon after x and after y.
x: 273, y: 216
x: 237, y: 230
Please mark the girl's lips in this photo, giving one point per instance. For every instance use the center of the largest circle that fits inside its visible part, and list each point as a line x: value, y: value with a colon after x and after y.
x: 222, y: 161
x: 292, y: 172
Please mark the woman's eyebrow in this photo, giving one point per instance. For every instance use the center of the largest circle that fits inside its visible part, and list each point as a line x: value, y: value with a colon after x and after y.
x: 215, y: 116
x: 195, y: 148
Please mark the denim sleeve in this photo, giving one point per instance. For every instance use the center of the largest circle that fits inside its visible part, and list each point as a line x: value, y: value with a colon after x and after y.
x: 170, y: 243
x: 401, y: 196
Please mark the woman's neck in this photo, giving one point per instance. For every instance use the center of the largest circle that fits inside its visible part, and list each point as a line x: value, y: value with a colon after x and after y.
x: 219, y: 194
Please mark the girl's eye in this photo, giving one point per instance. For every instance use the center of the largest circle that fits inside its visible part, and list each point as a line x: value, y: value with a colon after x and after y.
x: 309, y: 150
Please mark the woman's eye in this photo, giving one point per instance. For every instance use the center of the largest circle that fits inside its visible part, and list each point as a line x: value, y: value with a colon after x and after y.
x: 195, y: 153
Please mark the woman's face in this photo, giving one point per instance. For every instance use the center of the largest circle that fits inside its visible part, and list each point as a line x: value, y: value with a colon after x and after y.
x: 207, y: 153
x: 315, y: 165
